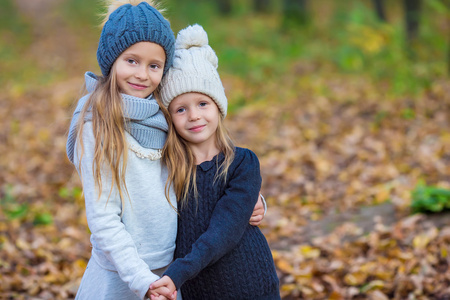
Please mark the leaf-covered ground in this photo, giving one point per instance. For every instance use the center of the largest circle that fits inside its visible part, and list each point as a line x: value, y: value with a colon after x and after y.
x: 339, y: 160
x: 329, y: 164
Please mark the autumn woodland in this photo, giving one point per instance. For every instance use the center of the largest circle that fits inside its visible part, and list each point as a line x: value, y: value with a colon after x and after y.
x: 347, y: 109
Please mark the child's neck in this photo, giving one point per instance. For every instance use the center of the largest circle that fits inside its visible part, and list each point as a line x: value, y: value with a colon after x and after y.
x: 204, y: 153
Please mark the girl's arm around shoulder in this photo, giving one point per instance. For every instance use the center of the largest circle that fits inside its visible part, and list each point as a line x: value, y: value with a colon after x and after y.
x: 228, y: 222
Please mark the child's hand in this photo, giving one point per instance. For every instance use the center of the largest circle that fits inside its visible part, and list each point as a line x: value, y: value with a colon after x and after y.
x: 157, y: 294
x: 258, y: 213
x: 162, y: 289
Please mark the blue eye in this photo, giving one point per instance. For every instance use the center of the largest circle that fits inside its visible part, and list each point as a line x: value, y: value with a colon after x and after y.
x: 202, y: 104
x: 181, y: 110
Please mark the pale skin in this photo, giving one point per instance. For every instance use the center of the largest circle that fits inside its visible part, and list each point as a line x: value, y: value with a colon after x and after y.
x: 195, y: 117
x: 139, y: 69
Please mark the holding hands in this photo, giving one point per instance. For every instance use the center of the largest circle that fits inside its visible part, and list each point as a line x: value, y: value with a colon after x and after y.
x: 162, y: 289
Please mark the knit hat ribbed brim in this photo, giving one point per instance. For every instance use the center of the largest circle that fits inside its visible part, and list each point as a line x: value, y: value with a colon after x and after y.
x: 194, y: 69
x: 129, y: 25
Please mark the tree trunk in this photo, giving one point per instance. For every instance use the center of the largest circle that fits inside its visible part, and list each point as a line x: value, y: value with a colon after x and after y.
x: 261, y: 6
x: 379, y: 8
x: 412, y: 16
x: 295, y: 13
x: 224, y: 7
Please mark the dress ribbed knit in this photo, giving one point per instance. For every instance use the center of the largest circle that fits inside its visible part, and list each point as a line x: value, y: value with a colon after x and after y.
x: 218, y: 254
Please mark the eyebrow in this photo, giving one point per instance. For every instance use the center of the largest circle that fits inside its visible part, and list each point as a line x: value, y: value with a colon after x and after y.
x: 157, y: 60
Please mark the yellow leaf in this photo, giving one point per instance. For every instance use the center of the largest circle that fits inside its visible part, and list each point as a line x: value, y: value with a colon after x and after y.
x: 275, y: 254
x: 309, y: 252
x: 51, y: 278
x: 382, y: 195
x: 356, y: 278
x: 335, y: 296
x: 80, y: 263
x: 284, y: 265
x: 22, y: 244
x: 421, y: 241
x: 375, y: 284
x: 288, y: 287
x: 44, y: 135
x: 444, y: 251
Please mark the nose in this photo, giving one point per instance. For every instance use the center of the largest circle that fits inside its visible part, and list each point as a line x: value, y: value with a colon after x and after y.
x: 142, y: 73
x: 193, y: 115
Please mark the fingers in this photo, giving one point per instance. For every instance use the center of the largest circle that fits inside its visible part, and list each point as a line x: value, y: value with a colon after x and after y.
x: 156, y: 296
x: 163, y: 291
x: 256, y: 220
x: 160, y: 297
x: 157, y: 284
x: 259, y: 204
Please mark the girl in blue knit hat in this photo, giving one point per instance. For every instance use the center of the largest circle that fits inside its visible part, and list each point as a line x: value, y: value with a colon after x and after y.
x: 218, y: 254
x: 115, y: 141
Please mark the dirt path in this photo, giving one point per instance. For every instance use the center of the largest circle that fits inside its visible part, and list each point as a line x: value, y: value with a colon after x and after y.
x: 350, y: 225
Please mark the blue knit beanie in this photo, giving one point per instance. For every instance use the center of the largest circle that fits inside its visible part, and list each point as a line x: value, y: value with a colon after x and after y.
x: 129, y: 25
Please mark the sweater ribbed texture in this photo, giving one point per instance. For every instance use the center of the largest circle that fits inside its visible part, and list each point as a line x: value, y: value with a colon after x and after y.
x: 194, y: 69
x: 218, y: 254
x: 145, y: 122
x: 129, y: 25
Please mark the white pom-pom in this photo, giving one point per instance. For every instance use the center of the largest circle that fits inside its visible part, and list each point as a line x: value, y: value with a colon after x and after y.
x: 192, y: 36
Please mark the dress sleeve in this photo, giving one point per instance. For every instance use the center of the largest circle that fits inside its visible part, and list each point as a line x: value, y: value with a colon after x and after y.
x: 228, y: 223
x: 104, y: 221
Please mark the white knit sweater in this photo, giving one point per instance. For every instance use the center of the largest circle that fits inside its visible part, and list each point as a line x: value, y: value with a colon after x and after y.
x: 141, y: 236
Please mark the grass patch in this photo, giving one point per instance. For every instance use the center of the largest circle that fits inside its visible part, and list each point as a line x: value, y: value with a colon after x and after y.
x: 429, y: 198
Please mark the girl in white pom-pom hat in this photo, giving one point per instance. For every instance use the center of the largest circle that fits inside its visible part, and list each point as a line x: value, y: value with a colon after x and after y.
x: 218, y: 254
x: 115, y: 141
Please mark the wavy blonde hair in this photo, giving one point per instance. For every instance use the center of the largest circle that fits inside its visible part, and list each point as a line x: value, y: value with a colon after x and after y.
x: 108, y: 121
x: 112, y: 5
x: 108, y: 124
x: 181, y: 165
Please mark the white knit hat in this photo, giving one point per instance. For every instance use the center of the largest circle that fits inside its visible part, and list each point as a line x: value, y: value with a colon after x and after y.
x: 194, y: 69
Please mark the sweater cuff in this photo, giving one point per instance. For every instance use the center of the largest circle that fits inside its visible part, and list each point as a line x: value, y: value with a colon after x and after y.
x: 264, y: 203
x: 142, y: 283
x: 176, y: 276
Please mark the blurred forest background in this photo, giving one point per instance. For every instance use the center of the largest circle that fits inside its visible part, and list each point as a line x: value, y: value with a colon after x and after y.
x: 346, y: 104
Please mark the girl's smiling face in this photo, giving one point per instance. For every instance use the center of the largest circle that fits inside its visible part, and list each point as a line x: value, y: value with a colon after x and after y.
x: 139, y: 69
x: 195, y: 117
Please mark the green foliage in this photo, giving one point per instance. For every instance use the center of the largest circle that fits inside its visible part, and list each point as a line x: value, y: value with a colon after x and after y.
x: 13, y: 209
x: 74, y: 193
x: 408, y: 114
x: 82, y: 14
x: 43, y: 218
x: 14, y: 30
x: 341, y: 37
x: 429, y: 198
x: 10, y: 207
x: 12, y: 21
x: 347, y: 36
x: 368, y: 46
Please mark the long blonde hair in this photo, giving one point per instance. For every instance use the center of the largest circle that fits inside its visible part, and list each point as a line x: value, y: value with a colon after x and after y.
x: 108, y: 121
x: 181, y: 164
x: 108, y: 124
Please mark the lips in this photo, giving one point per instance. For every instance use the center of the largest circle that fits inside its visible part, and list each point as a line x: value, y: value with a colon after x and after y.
x: 197, y: 128
x: 137, y: 86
